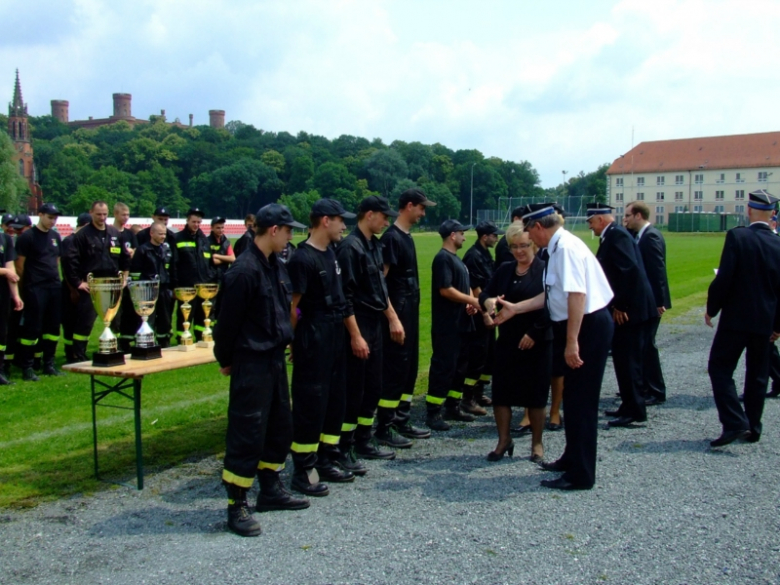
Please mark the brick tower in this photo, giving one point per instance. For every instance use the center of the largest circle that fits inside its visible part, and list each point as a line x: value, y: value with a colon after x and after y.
x: 19, y: 131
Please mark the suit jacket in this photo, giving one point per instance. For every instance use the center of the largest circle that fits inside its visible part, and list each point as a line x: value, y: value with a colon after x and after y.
x: 621, y: 261
x: 747, y: 286
x: 653, y: 249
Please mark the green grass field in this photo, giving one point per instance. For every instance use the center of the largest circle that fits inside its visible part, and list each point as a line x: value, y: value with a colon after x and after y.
x: 46, y: 427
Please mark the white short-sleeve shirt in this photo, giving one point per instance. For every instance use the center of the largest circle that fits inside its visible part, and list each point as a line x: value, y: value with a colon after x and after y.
x: 572, y: 267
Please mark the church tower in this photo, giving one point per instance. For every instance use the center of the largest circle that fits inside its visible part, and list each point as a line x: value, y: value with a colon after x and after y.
x: 19, y: 131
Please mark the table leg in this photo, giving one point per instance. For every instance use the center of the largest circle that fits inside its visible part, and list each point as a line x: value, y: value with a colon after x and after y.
x: 139, y: 456
x: 94, y: 426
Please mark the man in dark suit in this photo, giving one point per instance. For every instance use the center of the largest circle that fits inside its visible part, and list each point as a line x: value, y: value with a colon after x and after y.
x: 746, y: 290
x: 653, y: 250
x: 632, y: 308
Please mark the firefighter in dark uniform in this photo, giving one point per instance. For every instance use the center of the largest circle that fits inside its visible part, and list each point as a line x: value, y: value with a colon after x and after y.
x: 9, y: 297
x: 401, y: 360
x: 162, y: 216
x: 96, y: 249
x: 17, y: 226
x: 153, y: 261
x: 193, y: 266
x: 248, y: 238
x: 38, y: 253
x: 70, y: 295
x: 319, y: 358
x: 483, y: 341
x: 222, y: 257
x: 126, y: 317
x: 250, y: 341
x: 362, y: 276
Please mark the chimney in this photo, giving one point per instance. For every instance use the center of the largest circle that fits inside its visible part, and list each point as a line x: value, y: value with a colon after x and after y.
x: 190, y: 120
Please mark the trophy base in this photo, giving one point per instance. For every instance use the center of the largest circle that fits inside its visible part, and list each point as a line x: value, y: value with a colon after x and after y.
x: 146, y: 353
x: 208, y: 344
x: 108, y: 360
x: 190, y: 347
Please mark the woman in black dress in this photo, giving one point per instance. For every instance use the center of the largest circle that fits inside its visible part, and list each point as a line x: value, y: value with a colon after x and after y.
x: 523, y: 355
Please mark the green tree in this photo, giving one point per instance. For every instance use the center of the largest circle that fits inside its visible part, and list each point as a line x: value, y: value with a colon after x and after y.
x: 301, y: 172
x: 85, y: 196
x: 385, y: 168
x: 273, y: 159
x: 13, y: 187
x: 447, y: 205
x: 300, y: 204
x: 331, y: 177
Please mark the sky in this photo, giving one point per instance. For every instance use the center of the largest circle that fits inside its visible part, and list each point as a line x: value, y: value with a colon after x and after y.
x: 564, y: 85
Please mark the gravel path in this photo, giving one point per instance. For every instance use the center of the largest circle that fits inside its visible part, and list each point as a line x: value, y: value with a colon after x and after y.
x: 666, y: 509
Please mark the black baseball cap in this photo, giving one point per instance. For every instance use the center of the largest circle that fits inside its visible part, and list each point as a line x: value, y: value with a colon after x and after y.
x: 449, y: 226
x: 83, y: 219
x: 414, y: 196
x: 330, y: 207
x: 376, y: 203
x: 217, y: 220
x: 8, y: 218
x: 49, y: 209
x: 275, y: 214
x: 195, y: 211
x: 20, y: 221
x: 161, y: 212
x: 487, y: 228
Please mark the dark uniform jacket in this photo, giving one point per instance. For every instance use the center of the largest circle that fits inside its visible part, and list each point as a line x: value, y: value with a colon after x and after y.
x: 150, y: 262
x: 362, y: 273
x: 621, y: 261
x: 255, y: 314
x: 7, y: 254
x: 480, y: 264
x: 91, y: 253
x: 222, y: 248
x: 193, y: 259
x: 400, y: 256
x: 243, y: 242
x: 747, y: 286
x: 653, y: 249
x: 503, y: 253
x: 144, y: 236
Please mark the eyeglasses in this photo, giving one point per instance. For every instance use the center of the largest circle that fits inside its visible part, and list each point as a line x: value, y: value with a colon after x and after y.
x: 514, y: 247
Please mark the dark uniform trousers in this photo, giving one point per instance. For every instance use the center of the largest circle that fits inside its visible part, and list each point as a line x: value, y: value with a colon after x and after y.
x: 68, y: 321
x: 12, y: 334
x: 448, y: 369
x: 628, y: 347
x: 655, y: 385
x: 400, y: 362
x: 482, y: 345
x: 727, y: 347
x: 364, y: 381
x: 5, y: 313
x: 127, y: 320
x: 40, y: 324
x: 259, y: 431
x: 161, y: 320
x: 774, y: 365
x: 318, y: 387
x: 84, y: 320
x: 581, y: 391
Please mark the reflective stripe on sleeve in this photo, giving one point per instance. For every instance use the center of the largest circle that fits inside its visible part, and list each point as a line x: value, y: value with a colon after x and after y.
x: 186, y: 244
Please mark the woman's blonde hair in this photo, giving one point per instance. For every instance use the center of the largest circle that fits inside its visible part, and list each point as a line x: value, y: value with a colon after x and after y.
x: 516, y: 229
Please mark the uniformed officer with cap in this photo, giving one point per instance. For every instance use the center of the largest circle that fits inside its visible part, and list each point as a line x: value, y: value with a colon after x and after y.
x: 250, y: 340
x: 38, y: 252
x: 162, y: 216
x: 7, y: 220
x: 222, y: 255
x: 9, y: 297
x: 319, y: 352
x: 96, y: 250
x: 482, y: 342
x: 193, y: 266
x: 70, y: 295
x: 746, y: 293
x: 452, y: 307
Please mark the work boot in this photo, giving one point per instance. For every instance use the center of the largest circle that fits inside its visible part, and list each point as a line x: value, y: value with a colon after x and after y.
x: 453, y: 412
x: 411, y: 432
x: 69, y: 354
x: 369, y: 449
x: 348, y: 461
x: 7, y: 369
x: 28, y: 375
x: 387, y: 435
x: 469, y: 402
x: 274, y: 495
x: 479, y: 395
x: 5, y: 381
x: 307, y: 481
x: 329, y: 472
x: 50, y: 370
x: 435, y: 421
x: 240, y: 519
x: 79, y: 351
x: 37, y: 364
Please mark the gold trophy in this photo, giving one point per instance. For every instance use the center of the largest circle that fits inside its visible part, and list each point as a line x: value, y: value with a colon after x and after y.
x: 144, y: 295
x: 207, y: 292
x: 184, y: 296
x: 106, y: 294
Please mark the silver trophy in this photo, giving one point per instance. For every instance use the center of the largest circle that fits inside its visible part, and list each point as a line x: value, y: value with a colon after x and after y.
x: 106, y: 294
x: 144, y: 295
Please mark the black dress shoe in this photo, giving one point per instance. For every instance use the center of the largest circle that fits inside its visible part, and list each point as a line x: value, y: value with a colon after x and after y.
x: 754, y: 437
x: 553, y: 427
x: 555, y: 466
x: 653, y: 401
x: 774, y: 392
x: 498, y: 456
x: 562, y: 484
x: 625, y: 421
x: 729, y: 437
x: 333, y: 474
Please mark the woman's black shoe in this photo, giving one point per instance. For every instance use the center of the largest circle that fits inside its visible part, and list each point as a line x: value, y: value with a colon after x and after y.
x: 508, y: 450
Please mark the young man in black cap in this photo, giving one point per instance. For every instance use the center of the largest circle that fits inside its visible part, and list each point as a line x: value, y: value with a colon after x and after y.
x: 452, y: 308
x: 248, y: 237
x: 483, y: 341
x: 319, y: 352
x: 162, y: 216
x: 401, y: 360
x: 632, y: 306
x: 250, y: 339
x: 70, y: 295
x: 193, y: 266
x: 362, y: 277
x: 38, y: 253
x: 96, y: 250
x: 750, y: 262
x: 9, y: 297
x: 221, y: 251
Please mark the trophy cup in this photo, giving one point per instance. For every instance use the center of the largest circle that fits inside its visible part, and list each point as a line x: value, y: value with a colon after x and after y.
x: 106, y: 294
x: 207, y: 292
x: 144, y: 294
x: 185, y: 295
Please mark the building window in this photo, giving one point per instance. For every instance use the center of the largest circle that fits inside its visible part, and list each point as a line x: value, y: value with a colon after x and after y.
x: 762, y: 176
x: 619, y: 182
x: 698, y: 179
x: 640, y: 181
x: 618, y: 197
x: 679, y: 208
x: 739, y: 194
x: 659, y: 196
x: 719, y: 195
x: 659, y: 220
x: 739, y: 209
x: 698, y: 195
x: 679, y: 179
x: 678, y: 195
x: 640, y: 196
x: 739, y: 178
x: 660, y: 180
x: 619, y: 211
x: 721, y: 178
x: 21, y: 167
x: 697, y: 208
x: 718, y: 209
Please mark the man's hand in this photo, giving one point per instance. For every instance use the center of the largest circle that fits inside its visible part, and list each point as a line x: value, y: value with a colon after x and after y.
x: 225, y: 371
x: 774, y: 337
x: 620, y: 317
x: 471, y: 310
x: 526, y: 342
x: 708, y: 320
x: 360, y: 348
x: 572, y: 355
x: 488, y: 320
x: 18, y: 303
x: 216, y: 261
x: 397, y: 333
x: 84, y: 286
x: 508, y: 310
x: 661, y: 311
x: 12, y: 276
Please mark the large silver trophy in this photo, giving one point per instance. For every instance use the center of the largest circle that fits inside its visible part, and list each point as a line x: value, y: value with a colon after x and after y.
x: 144, y: 295
x: 106, y: 294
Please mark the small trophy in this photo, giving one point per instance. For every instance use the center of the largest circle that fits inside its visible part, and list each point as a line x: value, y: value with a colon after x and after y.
x: 185, y: 295
x: 207, y: 292
x: 144, y: 294
x: 106, y: 294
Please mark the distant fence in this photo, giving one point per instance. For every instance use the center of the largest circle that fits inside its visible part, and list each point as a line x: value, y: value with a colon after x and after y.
x: 574, y: 208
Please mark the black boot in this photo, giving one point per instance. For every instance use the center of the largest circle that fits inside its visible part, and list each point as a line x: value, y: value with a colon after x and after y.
x: 28, y: 375
x: 367, y: 447
x: 240, y: 519
x: 330, y: 472
x: 50, y: 370
x: 274, y: 495
x: 37, y: 364
x: 79, y: 350
x: 479, y: 395
x: 5, y: 381
x: 307, y: 481
x: 452, y: 411
x: 387, y: 435
x: 435, y: 421
x: 469, y: 402
x: 348, y: 461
